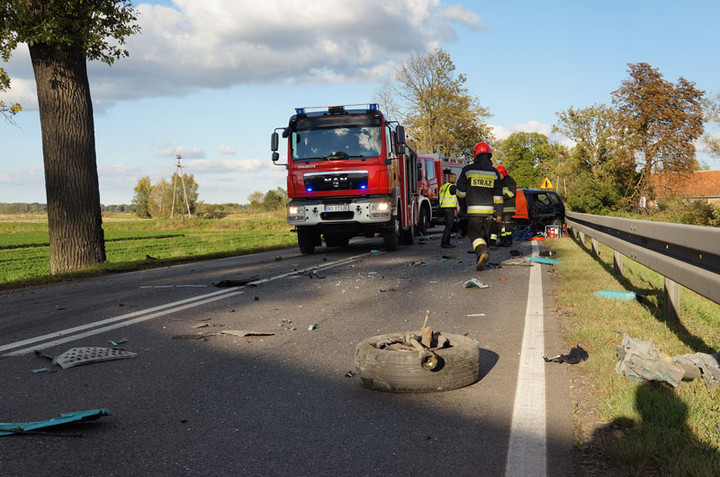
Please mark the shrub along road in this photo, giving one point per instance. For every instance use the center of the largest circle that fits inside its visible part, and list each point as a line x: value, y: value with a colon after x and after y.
x: 196, y: 401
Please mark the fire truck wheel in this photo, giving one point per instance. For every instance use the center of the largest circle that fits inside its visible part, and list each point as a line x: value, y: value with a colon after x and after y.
x: 306, y: 241
x: 391, y: 235
x: 423, y: 221
x: 390, y: 370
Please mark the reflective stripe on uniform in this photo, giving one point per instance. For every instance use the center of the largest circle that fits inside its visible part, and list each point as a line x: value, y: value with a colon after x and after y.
x: 480, y: 209
x: 460, y: 193
x: 497, y: 199
x: 484, y: 179
x: 477, y: 242
x: 508, y: 193
x: 509, y: 210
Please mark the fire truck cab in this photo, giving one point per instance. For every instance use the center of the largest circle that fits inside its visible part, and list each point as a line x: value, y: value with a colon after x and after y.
x: 350, y: 173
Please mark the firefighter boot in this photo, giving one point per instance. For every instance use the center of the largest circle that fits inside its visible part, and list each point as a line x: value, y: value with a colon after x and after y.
x: 483, y: 260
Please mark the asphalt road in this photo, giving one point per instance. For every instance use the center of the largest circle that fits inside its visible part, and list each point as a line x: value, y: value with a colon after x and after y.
x: 280, y: 404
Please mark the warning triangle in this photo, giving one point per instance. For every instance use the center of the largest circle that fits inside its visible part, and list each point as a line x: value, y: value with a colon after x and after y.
x: 546, y: 184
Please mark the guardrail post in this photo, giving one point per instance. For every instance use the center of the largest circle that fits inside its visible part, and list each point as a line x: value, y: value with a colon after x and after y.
x: 595, y: 247
x: 672, y: 301
x: 617, y: 263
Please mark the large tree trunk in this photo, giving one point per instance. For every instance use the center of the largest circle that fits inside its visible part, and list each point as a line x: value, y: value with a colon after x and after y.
x: 68, y: 138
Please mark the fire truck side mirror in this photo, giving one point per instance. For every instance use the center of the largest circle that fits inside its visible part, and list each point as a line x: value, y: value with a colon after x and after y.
x: 400, y: 140
x: 275, y: 156
x: 274, y: 142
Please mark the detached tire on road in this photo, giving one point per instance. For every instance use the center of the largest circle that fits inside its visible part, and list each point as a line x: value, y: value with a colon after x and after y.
x: 401, y: 371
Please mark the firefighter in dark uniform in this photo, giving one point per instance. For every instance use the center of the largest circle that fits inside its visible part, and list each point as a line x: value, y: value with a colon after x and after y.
x: 480, y: 197
x: 509, y: 189
x: 448, y: 207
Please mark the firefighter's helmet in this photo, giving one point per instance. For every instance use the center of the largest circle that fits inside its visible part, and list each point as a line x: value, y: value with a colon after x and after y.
x: 502, y: 170
x: 481, y: 148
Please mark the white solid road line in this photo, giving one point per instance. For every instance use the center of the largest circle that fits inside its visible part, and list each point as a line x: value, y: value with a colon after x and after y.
x: 75, y: 333
x: 527, y: 450
x: 95, y: 324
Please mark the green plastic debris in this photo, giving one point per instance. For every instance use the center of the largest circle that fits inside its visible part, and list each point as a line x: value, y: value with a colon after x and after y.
x: 9, y: 428
x: 549, y: 261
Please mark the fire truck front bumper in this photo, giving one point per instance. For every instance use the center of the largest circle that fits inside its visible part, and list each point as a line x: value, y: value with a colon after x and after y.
x: 362, y: 210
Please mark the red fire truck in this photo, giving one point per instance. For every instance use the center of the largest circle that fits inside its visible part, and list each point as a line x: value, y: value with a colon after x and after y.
x: 433, y: 174
x: 350, y: 173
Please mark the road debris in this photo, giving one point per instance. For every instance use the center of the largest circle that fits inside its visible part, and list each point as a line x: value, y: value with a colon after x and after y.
x: 313, y: 274
x: 87, y: 355
x: 349, y: 374
x: 385, y: 290
x: 576, y: 355
x: 475, y: 283
x: 9, y: 428
x: 287, y: 325
x: 639, y: 360
x: 476, y: 314
x: 244, y: 333
x: 617, y: 295
x: 549, y: 261
x: 236, y: 282
x: 314, y: 326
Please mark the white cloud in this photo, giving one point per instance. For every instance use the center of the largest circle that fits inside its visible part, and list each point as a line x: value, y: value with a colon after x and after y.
x: 226, y: 150
x: 221, y: 43
x: 223, y: 166
x: 461, y: 15
x: 185, y: 152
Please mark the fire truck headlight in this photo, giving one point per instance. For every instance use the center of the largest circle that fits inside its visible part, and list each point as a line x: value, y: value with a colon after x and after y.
x: 380, y: 209
x: 295, y: 212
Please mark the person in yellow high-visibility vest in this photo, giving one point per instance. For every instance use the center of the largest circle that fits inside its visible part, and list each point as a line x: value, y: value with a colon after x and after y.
x: 448, y: 207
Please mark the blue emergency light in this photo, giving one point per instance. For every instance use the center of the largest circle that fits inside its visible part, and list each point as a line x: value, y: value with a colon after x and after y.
x: 308, y: 189
x: 300, y: 110
x: 372, y: 107
x: 363, y: 186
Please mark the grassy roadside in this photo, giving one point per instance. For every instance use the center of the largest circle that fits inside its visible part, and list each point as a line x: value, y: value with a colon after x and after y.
x: 643, y: 428
x: 133, y: 244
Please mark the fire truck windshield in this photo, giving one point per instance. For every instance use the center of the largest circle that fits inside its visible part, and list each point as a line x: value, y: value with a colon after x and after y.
x: 335, y: 143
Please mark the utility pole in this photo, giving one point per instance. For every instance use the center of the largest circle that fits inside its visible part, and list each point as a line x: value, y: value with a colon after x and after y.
x: 179, y: 173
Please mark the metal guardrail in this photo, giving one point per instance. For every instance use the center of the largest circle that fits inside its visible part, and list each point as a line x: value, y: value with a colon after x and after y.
x: 687, y: 255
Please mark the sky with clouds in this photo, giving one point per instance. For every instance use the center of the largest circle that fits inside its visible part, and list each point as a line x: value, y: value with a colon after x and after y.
x: 211, y: 80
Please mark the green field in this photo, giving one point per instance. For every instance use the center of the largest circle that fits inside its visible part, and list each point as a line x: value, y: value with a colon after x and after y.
x: 133, y: 243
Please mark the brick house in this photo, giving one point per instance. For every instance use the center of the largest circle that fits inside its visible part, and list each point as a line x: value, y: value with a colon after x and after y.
x: 690, y: 185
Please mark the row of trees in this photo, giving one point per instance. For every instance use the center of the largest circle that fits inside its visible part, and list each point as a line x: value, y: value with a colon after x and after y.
x: 167, y: 199
x: 652, y: 126
x: 176, y: 197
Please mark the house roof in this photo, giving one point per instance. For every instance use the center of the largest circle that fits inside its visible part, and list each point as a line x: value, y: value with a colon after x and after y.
x: 699, y: 184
